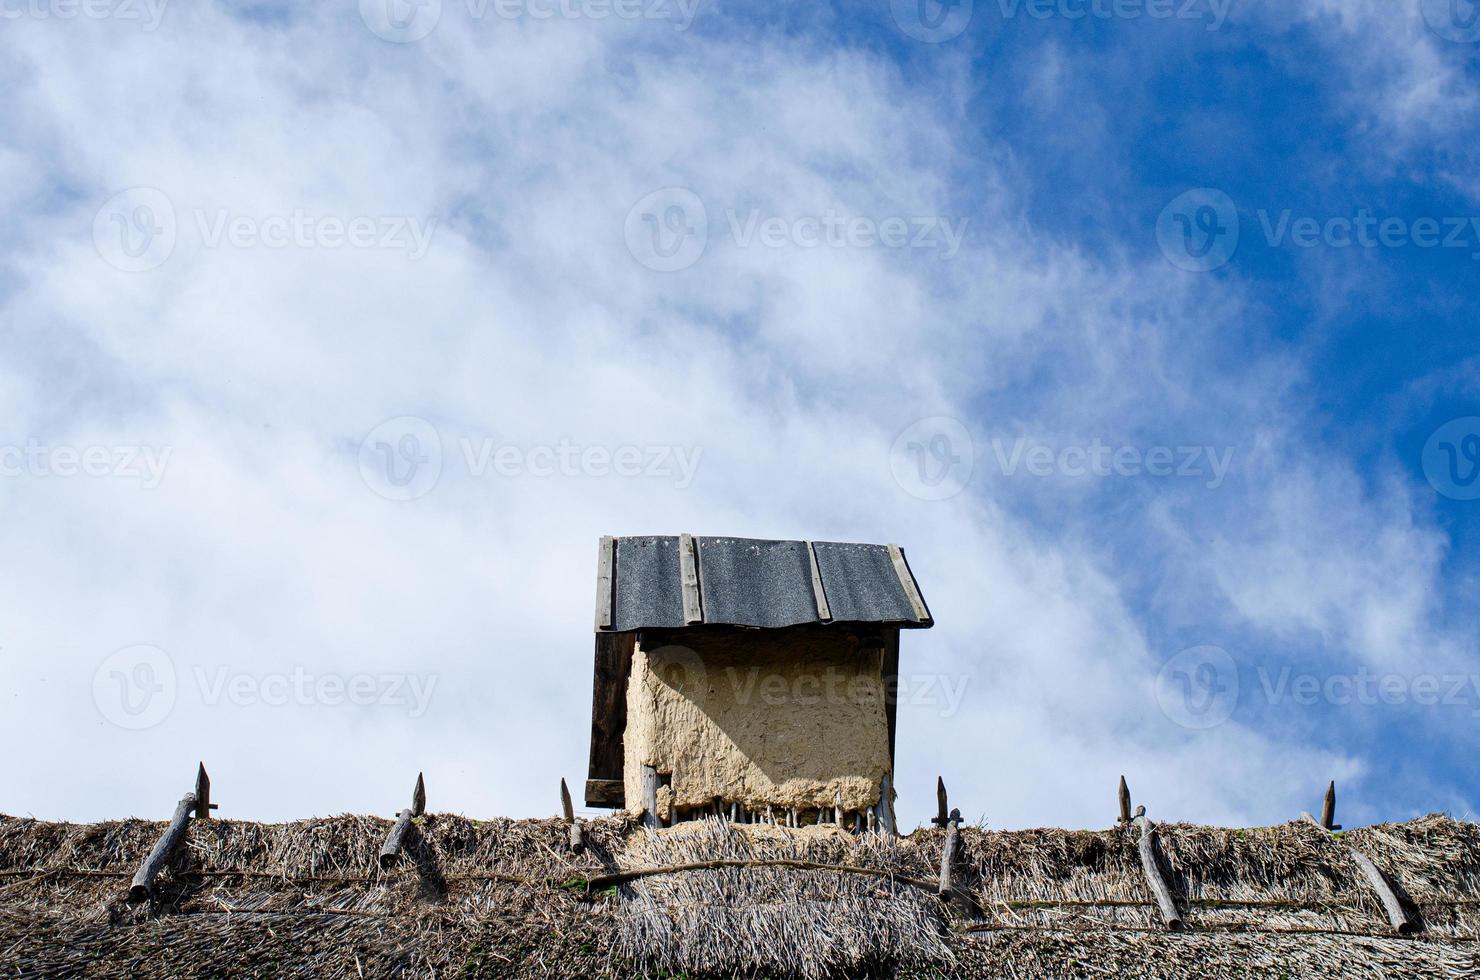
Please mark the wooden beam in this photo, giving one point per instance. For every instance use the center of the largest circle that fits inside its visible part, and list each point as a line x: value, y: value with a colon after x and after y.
x: 688, y: 570
x: 390, y: 851
x: 650, y: 797
x: 605, y: 577
x: 142, y: 888
x: 203, y: 804
x: 1154, y: 880
x: 907, y: 582
x: 819, y: 594
x: 611, y: 667
x: 1403, y: 924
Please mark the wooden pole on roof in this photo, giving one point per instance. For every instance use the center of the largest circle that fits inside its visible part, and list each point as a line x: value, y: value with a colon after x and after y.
x: 142, y: 888
x: 1403, y: 923
x: 577, y: 842
x: 390, y: 851
x: 941, y: 802
x: 1154, y: 880
x: 1328, y: 808
x: 203, y: 804
x: 948, y: 852
x: 1125, y: 802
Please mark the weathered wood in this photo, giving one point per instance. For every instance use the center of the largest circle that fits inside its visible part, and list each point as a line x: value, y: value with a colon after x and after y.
x: 688, y: 570
x: 907, y: 582
x: 605, y: 598
x: 390, y: 851
x: 142, y: 888
x: 1397, y: 916
x: 884, y: 810
x: 650, y: 797
x: 1403, y: 924
x: 203, y: 804
x: 948, y: 852
x: 613, y: 664
x: 941, y: 803
x: 1125, y: 802
x: 1328, y: 808
x: 819, y: 594
x: 1154, y: 879
x: 891, y: 685
x: 567, y: 809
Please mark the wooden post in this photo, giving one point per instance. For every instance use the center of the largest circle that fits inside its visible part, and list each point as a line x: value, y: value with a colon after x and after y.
x: 142, y: 888
x: 650, y: 797
x: 1328, y: 808
x: 948, y: 853
x: 838, y: 806
x: 203, y: 804
x: 885, y: 810
x: 1398, y: 917
x: 1154, y: 879
x: 568, y: 810
x: 1125, y: 802
x: 390, y: 851
x: 940, y: 803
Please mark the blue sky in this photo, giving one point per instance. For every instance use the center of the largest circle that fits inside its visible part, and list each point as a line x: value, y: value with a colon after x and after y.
x: 296, y: 276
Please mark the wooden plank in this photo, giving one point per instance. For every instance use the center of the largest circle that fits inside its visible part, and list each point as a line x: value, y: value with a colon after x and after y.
x: 605, y: 577
x: 824, y: 613
x: 613, y: 663
x: 688, y: 570
x: 1154, y: 880
x: 606, y: 793
x: 907, y: 582
x: 142, y: 888
x: 650, y: 797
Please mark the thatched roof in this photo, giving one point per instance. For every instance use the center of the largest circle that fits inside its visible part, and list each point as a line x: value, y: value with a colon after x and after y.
x: 506, y: 898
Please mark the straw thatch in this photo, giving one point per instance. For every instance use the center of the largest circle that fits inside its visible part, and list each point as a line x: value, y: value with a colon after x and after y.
x: 504, y: 898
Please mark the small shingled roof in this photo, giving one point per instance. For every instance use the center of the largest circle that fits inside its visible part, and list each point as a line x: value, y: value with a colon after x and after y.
x: 682, y: 580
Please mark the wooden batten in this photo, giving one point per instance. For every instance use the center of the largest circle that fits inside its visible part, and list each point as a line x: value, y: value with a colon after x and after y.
x: 907, y: 582
x: 688, y: 569
x: 605, y: 576
x: 824, y: 612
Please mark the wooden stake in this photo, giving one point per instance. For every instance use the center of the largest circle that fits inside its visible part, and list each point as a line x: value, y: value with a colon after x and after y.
x: 650, y: 797
x: 390, y: 851
x: 203, y: 804
x: 940, y: 803
x: 1328, y: 808
x: 948, y: 853
x: 1154, y: 879
x: 1125, y: 802
x: 142, y: 888
x: 577, y: 842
